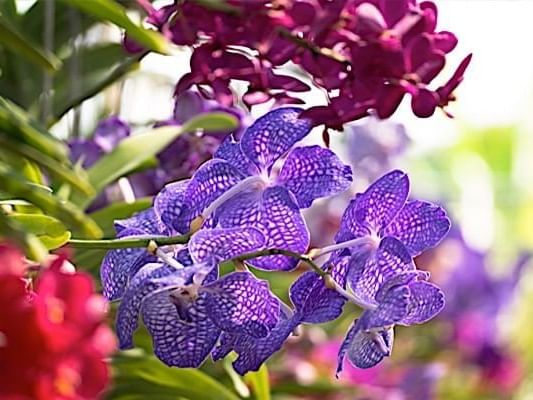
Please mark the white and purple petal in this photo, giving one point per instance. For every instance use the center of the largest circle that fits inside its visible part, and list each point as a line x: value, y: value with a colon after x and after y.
x: 392, y: 309
x: 419, y: 225
x: 222, y: 244
x: 179, y: 343
x: 380, y: 203
x: 254, y: 352
x: 170, y: 204
x: 119, y: 266
x: 240, y: 303
x: 270, y: 136
x: 230, y: 150
x: 147, y: 280
x: 426, y: 301
x: 365, y: 349
x: 312, y: 172
x: 145, y: 221
x: 369, y: 271
x: 284, y: 228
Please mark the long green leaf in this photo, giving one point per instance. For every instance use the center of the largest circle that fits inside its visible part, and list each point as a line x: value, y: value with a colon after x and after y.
x: 17, y: 126
x: 133, y: 151
x: 12, y: 231
x: 259, y: 382
x: 68, y: 213
x: 108, y: 10
x: 102, y: 66
x: 50, y: 231
x: 14, y: 40
x: 185, y: 382
x: 63, y: 172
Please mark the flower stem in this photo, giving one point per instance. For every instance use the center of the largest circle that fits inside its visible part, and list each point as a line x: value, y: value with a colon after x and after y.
x: 128, y: 243
x: 283, y: 252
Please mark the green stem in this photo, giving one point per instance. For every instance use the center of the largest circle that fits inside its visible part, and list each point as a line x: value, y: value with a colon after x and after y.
x: 128, y: 243
x: 283, y: 252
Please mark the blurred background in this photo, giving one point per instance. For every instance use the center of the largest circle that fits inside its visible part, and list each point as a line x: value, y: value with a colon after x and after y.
x: 478, y: 165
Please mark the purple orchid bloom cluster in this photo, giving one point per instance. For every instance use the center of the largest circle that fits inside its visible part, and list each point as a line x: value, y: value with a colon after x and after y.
x: 366, y: 55
x: 240, y: 205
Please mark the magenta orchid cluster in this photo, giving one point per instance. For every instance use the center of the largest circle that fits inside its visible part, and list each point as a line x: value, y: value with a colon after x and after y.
x: 366, y: 55
x: 245, y: 206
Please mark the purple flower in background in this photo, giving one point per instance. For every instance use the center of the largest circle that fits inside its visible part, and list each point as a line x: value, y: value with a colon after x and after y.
x: 397, y: 294
x: 366, y: 55
x: 239, y: 186
x: 373, y: 145
x: 187, y: 152
x: 107, y: 135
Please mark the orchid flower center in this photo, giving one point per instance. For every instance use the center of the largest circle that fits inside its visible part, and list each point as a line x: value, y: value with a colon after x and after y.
x: 255, y: 181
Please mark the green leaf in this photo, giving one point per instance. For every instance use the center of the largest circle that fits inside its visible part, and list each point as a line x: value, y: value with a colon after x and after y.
x: 51, y: 232
x: 18, y: 127
x: 147, y: 375
x: 12, y: 231
x: 105, y: 216
x: 102, y: 66
x: 62, y: 172
x: 133, y: 151
x: 259, y: 382
x: 14, y: 40
x: 33, y: 22
x: 16, y: 185
x: 108, y: 10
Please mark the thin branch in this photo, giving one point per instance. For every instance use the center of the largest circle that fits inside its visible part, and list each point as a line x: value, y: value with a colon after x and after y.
x: 128, y: 243
x: 283, y: 252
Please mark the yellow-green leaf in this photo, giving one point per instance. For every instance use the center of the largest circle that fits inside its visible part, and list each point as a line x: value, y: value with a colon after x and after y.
x: 51, y: 232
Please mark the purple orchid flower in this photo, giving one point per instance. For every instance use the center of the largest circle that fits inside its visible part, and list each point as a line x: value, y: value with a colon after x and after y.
x: 374, y: 144
x: 313, y: 303
x: 238, y: 187
x: 401, y: 296
x: 186, y: 309
x: 383, y: 211
x: 107, y: 135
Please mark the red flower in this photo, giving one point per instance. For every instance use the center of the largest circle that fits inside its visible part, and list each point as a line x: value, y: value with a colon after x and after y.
x: 52, y: 339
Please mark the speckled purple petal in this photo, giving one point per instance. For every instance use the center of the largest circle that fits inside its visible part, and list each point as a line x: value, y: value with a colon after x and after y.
x: 362, y: 348
x: 314, y: 302
x: 223, y: 244
x: 118, y: 266
x: 419, y: 225
x: 392, y: 309
x: 240, y: 303
x: 427, y: 300
x: 368, y: 272
x: 350, y: 228
x: 312, y: 172
x: 243, y: 209
x: 225, y: 345
x: 254, y: 352
x: 284, y: 228
x: 380, y: 203
x: 230, y: 150
x: 169, y: 205
x: 179, y: 343
x: 270, y: 136
x: 210, y: 181
x: 145, y: 221
x: 146, y: 281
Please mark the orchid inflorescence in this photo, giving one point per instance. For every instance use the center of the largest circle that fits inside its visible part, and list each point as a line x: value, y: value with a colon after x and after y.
x: 365, y: 55
x: 244, y: 206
